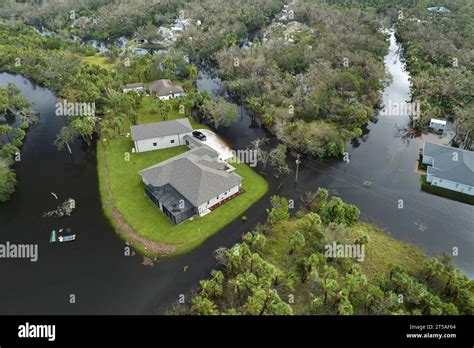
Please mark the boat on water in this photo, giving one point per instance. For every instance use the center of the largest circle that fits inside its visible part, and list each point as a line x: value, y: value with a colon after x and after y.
x: 52, y: 238
x: 69, y: 238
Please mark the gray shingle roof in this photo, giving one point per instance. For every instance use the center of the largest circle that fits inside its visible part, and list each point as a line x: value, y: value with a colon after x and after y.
x: 134, y: 85
x: 160, y: 129
x: 165, y: 87
x: 446, y: 167
x: 196, y: 174
x: 192, y: 140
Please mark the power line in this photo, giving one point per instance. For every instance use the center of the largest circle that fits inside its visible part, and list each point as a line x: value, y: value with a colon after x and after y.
x: 386, y: 188
x: 376, y: 194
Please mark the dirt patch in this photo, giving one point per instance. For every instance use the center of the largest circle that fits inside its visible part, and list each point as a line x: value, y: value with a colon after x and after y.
x: 132, y: 236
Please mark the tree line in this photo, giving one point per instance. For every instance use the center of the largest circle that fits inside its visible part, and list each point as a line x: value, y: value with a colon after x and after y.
x: 315, y: 86
x: 438, y: 50
x: 12, y: 102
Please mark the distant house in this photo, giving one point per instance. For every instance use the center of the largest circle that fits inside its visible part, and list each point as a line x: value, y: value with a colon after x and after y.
x: 438, y: 9
x: 179, y: 25
x: 165, y: 90
x: 160, y: 135
x: 137, y: 87
x: 192, y: 183
x: 450, y: 168
x: 438, y: 125
x: 141, y: 41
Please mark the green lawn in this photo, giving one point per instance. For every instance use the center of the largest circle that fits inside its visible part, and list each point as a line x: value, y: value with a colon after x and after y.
x: 149, y: 113
x: 98, y: 60
x: 144, y: 217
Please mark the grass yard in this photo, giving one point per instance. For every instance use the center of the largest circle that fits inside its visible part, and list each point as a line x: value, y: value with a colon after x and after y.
x: 127, y: 195
x: 149, y: 113
x: 98, y: 60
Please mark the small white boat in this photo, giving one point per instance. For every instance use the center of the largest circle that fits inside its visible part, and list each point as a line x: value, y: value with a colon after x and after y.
x: 69, y: 238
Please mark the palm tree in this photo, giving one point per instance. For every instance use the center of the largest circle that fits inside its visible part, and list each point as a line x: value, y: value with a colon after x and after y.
x: 355, y: 279
x: 66, y: 135
x: 213, y: 287
x: 434, y: 268
x: 192, y: 72
x: 345, y: 307
x: 257, y: 302
x: 132, y: 116
x: 165, y: 109
x: 311, y: 264
x: 117, y: 123
x: 243, y: 282
x: 188, y: 104
x: 84, y: 126
x: 297, y: 242
x: 107, y: 133
x: 204, y: 306
x: 433, y: 304
x: 328, y: 282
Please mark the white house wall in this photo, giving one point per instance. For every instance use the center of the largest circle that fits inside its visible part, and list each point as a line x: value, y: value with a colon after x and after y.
x: 137, y: 89
x: 169, y: 96
x: 161, y: 142
x: 453, y: 186
x: 203, y: 207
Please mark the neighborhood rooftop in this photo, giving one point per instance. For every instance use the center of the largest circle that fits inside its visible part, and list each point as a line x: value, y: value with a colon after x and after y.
x: 134, y: 85
x: 198, y: 175
x: 446, y: 165
x: 160, y: 129
x: 165, y: 87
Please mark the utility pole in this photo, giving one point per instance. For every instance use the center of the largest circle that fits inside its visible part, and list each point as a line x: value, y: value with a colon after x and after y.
x: 297, y: 168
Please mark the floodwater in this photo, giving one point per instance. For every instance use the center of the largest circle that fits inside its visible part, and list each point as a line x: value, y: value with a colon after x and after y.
x: 385, y: 158
x: 103, y: 280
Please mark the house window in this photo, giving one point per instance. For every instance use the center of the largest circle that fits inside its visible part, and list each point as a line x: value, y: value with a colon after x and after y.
x: 172, y: 141
x: 154, y: 144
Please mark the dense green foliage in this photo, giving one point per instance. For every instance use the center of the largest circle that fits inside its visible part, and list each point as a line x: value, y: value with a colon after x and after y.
x: 282, y: 268
x: 224, y: 23
x: 313, y: 84
x: 7, y: 180
x: 58, y: 63
x: 91, y: 18
x: 438, y: 51
x: 11, y: 101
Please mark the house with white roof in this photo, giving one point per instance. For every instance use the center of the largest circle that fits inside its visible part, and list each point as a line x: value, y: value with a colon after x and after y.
x: 449, y: 167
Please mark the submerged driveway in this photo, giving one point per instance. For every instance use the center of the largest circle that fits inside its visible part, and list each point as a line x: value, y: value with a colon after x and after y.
x: 214, y: 141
